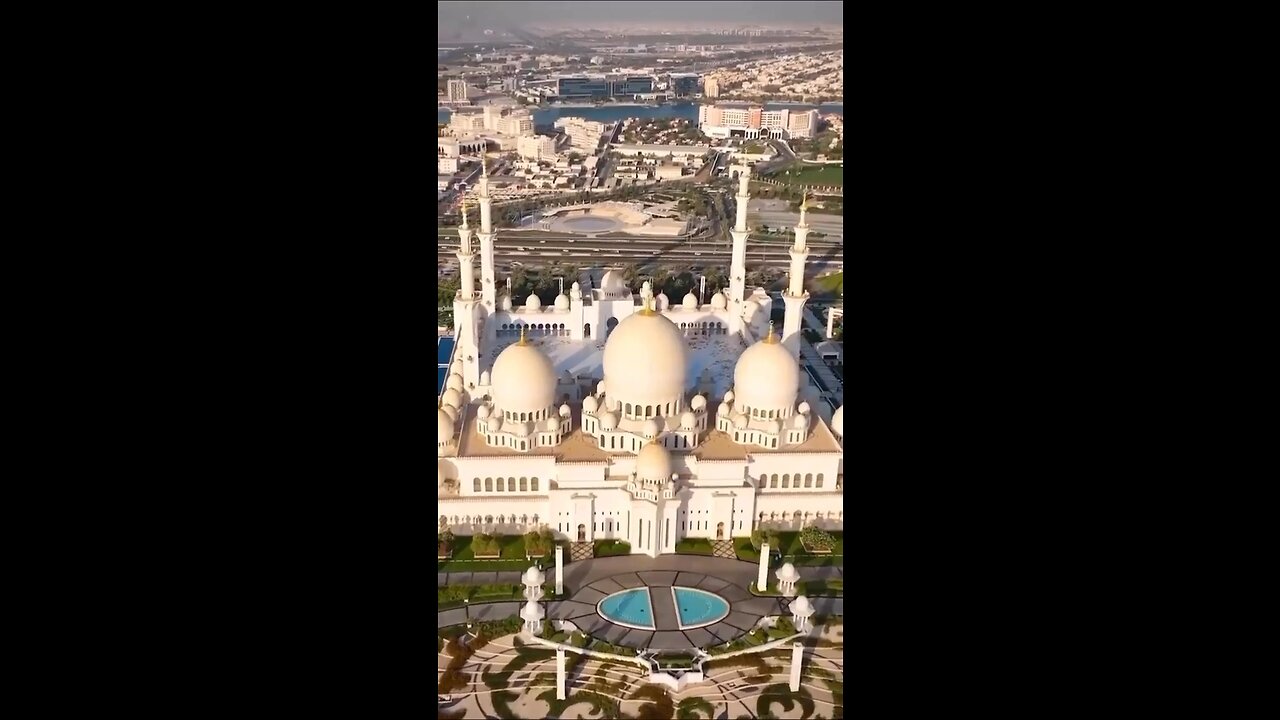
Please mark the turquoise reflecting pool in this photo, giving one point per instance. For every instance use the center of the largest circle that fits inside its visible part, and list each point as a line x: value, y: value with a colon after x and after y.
x: 629, y: 607
x: 698, y: 607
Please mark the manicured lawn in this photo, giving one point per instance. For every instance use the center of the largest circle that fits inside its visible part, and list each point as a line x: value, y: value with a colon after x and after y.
x: 696, y: 546
x: 793, y: 551
x: 454, y: 595
x: 742, y: 546
x: 808, y: 588
x: 833, y: 283
x: 607, y: 548
x: 811, y: 175
x: 511, y: 549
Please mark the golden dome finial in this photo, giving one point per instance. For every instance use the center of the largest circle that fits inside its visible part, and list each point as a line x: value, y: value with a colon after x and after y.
x: 464, y: 210
x: 804, y: 201
x: 770, y: 339
x: 646, y: 310
x: 523, y: 341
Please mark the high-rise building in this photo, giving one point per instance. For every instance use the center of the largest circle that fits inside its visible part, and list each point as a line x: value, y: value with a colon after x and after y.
x: 536, y: 147
x: 684, y: 85
x: 457, y: 90
x: 582, y: 134
x: 711, y: 87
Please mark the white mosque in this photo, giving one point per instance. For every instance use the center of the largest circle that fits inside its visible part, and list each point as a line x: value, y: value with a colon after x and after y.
x: 608, y: 416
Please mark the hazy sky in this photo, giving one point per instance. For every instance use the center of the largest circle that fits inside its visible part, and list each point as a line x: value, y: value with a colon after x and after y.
x: 545, y: 13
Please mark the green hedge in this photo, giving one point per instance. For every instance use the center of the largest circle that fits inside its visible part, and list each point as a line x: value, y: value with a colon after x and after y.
x: 609, y: 548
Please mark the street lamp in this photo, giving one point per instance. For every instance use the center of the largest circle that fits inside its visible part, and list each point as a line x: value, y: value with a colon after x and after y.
x: 466, y: 609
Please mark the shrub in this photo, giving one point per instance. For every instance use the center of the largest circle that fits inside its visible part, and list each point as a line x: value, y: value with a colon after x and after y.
x: 815, y: 538
x: 760, y: 536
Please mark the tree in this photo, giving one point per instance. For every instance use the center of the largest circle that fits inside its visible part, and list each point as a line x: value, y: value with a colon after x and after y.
x: 759, y: 536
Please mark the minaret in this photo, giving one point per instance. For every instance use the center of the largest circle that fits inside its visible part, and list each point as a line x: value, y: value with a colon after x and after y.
x: 795, y: 296
x: 738, y: 263
x: 465, y: 322
x: 488, y: 292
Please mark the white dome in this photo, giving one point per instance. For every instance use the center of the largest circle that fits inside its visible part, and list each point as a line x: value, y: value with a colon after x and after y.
x: 521, y: 429
x: 533, y: 576
x: 533, y: 303
x: 484, y: 377
x: 653, y: 463
x: 801, y: 422
x: 444, y: 426
x: 613, y: 282
x: 451, y: 411
x: 565, y: 411
x: 690, y: 302
x: 740, y: 421
x: 456, y: 367
x: 495, y: 422
x: 787, y: 573
x: 837, y: 421
x: 506, y: 302
x: 600, y: 388
x: 719, y: 301
x: 766, y: 377
x: 650, y: 428
x: 728, y: 396
x: 553, y: 425
x: 482, y: 412
x: 772, y: 426
x: 698, y: 402
x: 523, y: 379
x: 589, y: 405
x: 562, y: 302
x: 688, y: 421
x: 663, y: 301
x: 451, y: 397
x: 803, y: 408
x: 608, y: 421
x: 532, y: 611
x: 725, y: 409
x: 454, y: 382
x: 576, y: 286
x: 645, y: 361
x: 801, y: 606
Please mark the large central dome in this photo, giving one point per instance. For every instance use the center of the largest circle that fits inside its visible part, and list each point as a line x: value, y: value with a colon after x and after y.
x: 645, y: 365
x: 524, y: 381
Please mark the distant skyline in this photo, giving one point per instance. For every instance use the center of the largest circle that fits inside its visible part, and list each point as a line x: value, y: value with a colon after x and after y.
x: 506, y: 14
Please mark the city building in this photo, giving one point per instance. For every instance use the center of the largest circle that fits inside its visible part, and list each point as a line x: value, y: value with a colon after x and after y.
x: 754, y: 121
x: 447, y: 165
x: 583, y: 134
x: 684, y: 84
x: 607, y: 416
x: 536, y: 147
x: 711, y: 87
x: 457, y: 90
x: 502, y: 121
x: 604, y: 86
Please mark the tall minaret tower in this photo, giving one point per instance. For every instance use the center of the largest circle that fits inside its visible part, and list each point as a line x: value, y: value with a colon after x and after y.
x: 465, y: 322
x: 796, y: 296
x: 488, y: 292
x: 738, y: 263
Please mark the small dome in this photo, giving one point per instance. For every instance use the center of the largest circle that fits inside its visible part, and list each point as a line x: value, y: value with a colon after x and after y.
x: 600, y: 388
x: 787, y: 573
x: 766, y: 376
x: 653, y: 463
x: 608, y: 421
x: 454, y: 382
x: 456, y: 367
x: 728, y: 396
x: 650, y: 428
x: 553, y: 425
x: 663, y: 301
x: 533, y: 303
x: 532, y: 611
x: 484, y: 377
x: 506, y: 303
x: 521, y: 429
x: 444, y: 426
x: 688, y: 421
x: 495, y: 423
x: 837, y: 421
x: 451, y: 411
x: 698, y: 402
x: 740, y: 421
x: 803, y: 408
x: 772, y: 426
x: 801, y: 606
x: 562, y: 302
x: 576, y: 286
x: 565, y: 411
x: 725, y: 409
x: 613, y: 282
x: 589, y: 405
x: 719, y: 301
x: 523, y: 379
x: 690, y: 302
x: 801, y: 422
x: 451, y: 397
x: 482, y: 412
x: 533, y: 576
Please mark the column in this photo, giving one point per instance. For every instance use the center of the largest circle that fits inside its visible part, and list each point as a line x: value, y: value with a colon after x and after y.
x: 797, y: 654
x: 762, y: 580
x: 560, y: 674
x: 559, y: 572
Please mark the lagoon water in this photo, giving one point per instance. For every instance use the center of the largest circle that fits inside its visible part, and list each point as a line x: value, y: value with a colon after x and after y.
x: 612, y: 113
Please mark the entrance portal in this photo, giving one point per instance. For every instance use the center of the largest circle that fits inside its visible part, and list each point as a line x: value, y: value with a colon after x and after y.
x: 582, y: 533
x: 720, y: 531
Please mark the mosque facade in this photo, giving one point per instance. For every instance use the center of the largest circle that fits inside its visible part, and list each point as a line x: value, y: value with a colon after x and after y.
x: 639, y: 448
